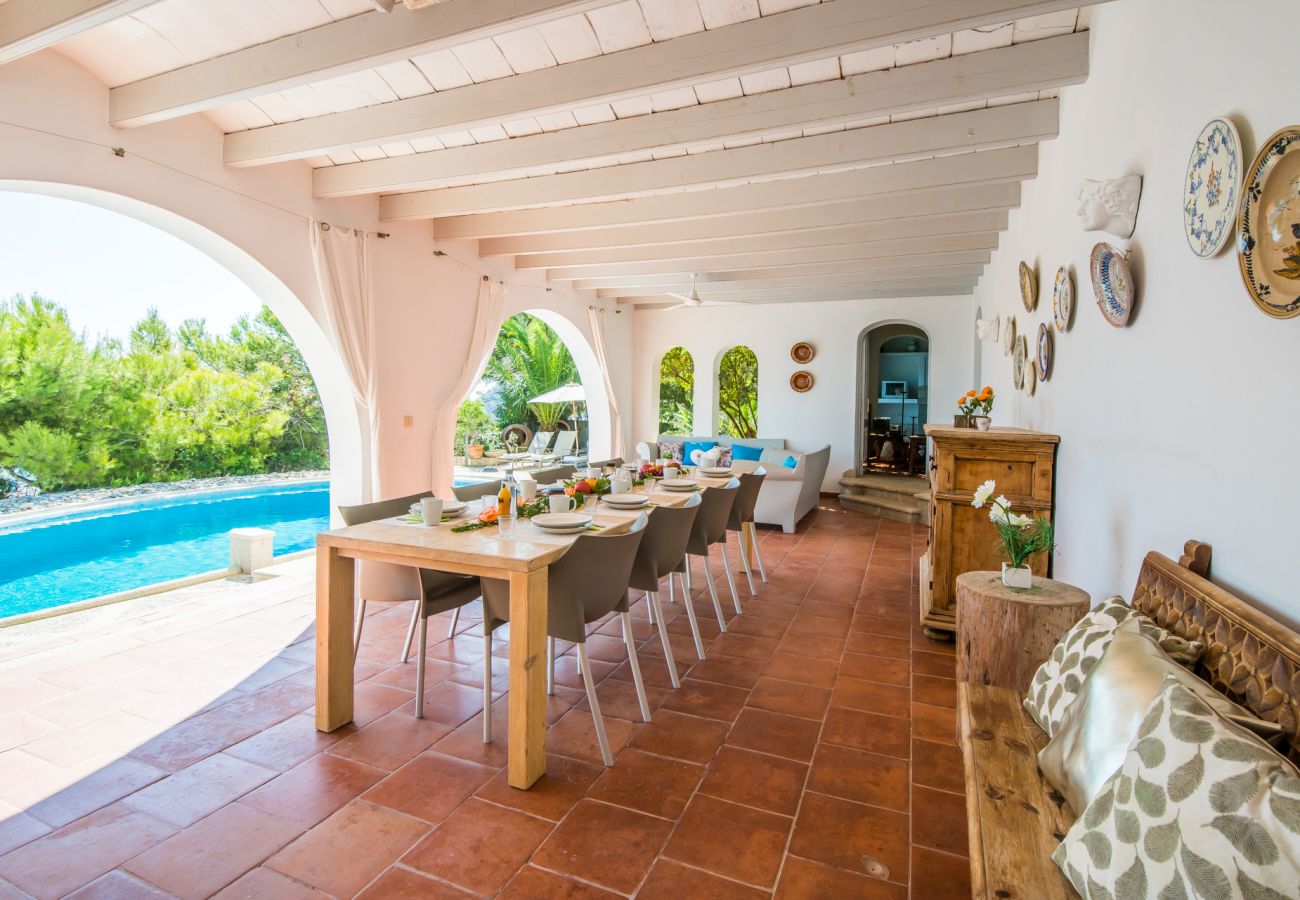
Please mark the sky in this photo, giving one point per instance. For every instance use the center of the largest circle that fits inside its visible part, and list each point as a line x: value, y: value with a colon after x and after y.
x: 108, y: 269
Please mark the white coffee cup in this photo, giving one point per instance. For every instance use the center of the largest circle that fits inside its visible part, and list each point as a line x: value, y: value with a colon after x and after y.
x: 562, y: 503
x: 671, y: 471
x: 593, y: 472
x: 431, y: 510
x: 527, y: 490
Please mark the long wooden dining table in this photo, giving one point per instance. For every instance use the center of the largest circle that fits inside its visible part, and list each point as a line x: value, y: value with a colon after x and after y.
x: 521, y: 560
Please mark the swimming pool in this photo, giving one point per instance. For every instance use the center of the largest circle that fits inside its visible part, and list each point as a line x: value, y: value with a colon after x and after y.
x: 81, y: 555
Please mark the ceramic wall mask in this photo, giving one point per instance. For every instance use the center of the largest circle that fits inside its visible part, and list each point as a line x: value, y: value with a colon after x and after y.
x: 1110, y: 206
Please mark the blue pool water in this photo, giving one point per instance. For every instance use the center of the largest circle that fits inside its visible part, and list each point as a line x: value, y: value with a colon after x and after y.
x: 81, y: 555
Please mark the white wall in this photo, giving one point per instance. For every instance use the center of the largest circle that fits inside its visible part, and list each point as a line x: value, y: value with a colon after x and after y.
x: 1183, y: 425
x: 824, y: 415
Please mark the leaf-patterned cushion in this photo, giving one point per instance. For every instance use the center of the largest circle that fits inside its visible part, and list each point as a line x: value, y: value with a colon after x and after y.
x: 1058, y: 680
x: 1200, y: 808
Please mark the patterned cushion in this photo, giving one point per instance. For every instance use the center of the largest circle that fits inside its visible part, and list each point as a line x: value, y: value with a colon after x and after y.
x: 1058, y: 679
x: 671, y: 450
x: 1200, y: 808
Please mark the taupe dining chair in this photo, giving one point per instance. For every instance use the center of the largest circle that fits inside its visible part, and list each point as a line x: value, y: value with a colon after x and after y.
x: 661, y: 552
x: 552, y: 475
x: 468, y: 492
x: 439, y: 591
x: 711, y: 528
x: 583, y: 586
x: 607, y: 463
x: 741, y: 521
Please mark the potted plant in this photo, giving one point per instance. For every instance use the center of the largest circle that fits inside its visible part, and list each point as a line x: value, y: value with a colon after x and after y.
x: 975, y: 408
x: 474, y: 448
x: 1022, y: 536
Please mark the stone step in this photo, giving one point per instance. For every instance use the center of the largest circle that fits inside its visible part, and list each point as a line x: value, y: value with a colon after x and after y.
x: 894, y: 484
x: 908, y: 498
x: 896, y: 510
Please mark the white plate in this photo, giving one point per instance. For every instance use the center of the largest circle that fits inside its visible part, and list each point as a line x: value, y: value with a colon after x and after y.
x: 678, y: 484
x: 451, y: 507
x: 716, y: 471
x: 626, y: 501
x: 562, y: 521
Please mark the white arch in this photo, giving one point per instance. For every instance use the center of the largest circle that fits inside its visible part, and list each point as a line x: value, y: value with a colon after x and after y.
x: 599, y: 435
x: 346, y: 447
x: 716, y: 375
x: 656, y: 397
x: 863, y: 363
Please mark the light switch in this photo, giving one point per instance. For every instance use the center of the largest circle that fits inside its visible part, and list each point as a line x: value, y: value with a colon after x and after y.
x: 408, y: 421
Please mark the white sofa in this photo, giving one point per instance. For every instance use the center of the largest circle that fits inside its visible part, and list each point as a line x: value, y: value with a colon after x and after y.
x: 788, y: 494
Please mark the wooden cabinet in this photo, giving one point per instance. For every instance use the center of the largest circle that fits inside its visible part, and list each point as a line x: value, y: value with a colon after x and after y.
x: 962, y: 539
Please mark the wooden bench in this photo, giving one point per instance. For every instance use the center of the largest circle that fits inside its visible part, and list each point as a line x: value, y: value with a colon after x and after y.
x: 1015, y: 818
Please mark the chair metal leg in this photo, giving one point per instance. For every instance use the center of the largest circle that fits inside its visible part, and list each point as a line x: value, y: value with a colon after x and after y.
x: 635, y: 665
x: 550, y: 666
x: 687, y: 585
x: 758, y: 554
x: 455, y: 620
x: 420, y: 656
x: 410, y: 631
x: 690, y: 617
x: 713, y: 593
x: 671, y: 599
x: 487, y: 685
x: 653, y: 599
x: 356, y: 631
x: 731, y: 579
x: 650, y: 608
x: 744, y: 560
x: 595, y: 705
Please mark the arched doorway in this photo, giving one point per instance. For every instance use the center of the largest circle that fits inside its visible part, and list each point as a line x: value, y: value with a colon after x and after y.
x: 347, y: 467
x: 892, y: 395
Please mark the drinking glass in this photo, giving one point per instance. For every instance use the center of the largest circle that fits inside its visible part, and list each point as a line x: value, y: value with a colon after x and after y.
x: 506, y: 526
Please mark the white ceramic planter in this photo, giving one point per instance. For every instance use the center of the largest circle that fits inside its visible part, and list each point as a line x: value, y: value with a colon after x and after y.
x: 1017, y: 577
x: 983, y: 422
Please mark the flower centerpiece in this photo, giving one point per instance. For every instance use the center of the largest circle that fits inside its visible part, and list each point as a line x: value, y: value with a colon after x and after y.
x: 975, y: 408
x: 489, y: 515
x: 1022, y: 536
x: 580, y: 488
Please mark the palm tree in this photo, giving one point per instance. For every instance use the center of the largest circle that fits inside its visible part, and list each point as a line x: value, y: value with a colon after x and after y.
x: 529, y: 359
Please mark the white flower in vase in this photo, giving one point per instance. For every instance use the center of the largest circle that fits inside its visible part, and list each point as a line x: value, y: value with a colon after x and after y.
x: 983, y: 493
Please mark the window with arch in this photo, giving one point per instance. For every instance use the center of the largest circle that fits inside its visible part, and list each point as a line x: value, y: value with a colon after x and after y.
x: 738, y: 393
x: 676, y: 392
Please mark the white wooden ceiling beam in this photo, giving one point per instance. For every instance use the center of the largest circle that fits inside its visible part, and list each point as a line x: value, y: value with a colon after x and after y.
x: 1012, y: 164
x: 930, y: 249
x: 720, y: 289
x: 27, y: 26
x: 927, y: 227
x: 1005, y: 71
x: 999, y: 126
x: 903, y: 266
x: 866, y: 292
x: 807, y: 33
x: 327, y: 51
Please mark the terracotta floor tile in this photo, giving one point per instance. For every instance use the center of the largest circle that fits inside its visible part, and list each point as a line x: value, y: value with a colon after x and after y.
x: 436, y: 671
x: 789, y: 697
x: 608, y: 845
x: 212, y: 853
x: 934, y: 723
x: 309, y: 792
x: 937, y: 766
x: 768, y: 605
x: 861, y: 776
x: 937, y: 664
x: 803, y: 879
x: 812, y: 646
x: 391, y: 740
x: 618, y: 700
x: 263, y: 883
x: 686, y: 737
x: 934, y: 691
x: 574, y: 736
x: 200, y: 789
x: 818, y: 672
x: 466, y: 741
x: 283, y: 746
x: 450, y: 703
x: 758, y: 626
x: 18, y: 828
x: 838, y: 611
x: 741, y: 673
x: 886, y: 626
x: 116, y: 885
x: 743, y: 646
x: 880, y: 669
x: 648, y: 784
x: 533, y: 883
x: 840, y: 833
x: 562, y: 785
x: 817, y: 626
x: 769, y: 732
x: 66, y: 859
x: 702, y: 698
x: 404, y: 884
x: 96, y: 790
x: 939, y: 820
x: 670, y: 880
x: 869, y: 696
x: 879, y: 645
x: 654, y: 668
x: 756, y: 779
x: 940, y: 876
x: 345, y: 852
x: 479, y: 846
x: 430, y: 786
x: 734, y: 841
x: 886, y: 735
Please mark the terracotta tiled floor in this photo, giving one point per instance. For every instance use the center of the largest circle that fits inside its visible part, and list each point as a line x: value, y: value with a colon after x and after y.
x: 172, y: 752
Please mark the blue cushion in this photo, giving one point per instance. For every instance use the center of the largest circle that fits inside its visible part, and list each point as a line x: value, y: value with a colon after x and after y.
x: 790, y: 462
x: 689, y: 447
x: 741, y: 451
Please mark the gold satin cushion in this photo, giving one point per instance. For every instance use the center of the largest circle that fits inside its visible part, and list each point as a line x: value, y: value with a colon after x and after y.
x: 1090, y: 743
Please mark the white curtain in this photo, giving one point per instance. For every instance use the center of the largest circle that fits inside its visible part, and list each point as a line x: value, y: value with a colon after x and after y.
x: 598, y: 345
x: 341, y: 258
x: 488, y: 314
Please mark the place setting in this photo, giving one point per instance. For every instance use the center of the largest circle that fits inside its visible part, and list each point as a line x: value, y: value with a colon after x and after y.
x: 432, y: 511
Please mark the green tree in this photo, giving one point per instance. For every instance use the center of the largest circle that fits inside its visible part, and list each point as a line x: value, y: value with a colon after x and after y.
x: 529, y: 359
x: 474, y: 421
x: 676, y: 392
x: 738, y: 393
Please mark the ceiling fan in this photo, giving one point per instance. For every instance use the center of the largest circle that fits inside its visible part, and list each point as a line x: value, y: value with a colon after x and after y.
x: 693, y: 299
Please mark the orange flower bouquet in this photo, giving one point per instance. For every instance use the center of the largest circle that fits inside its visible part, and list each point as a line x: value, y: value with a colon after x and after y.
x: 975, y: 407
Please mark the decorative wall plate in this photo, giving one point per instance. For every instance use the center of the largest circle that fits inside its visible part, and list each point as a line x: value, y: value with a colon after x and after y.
x: 1268, y: 231
x: 801, y: 381
x: 1063, y: 299
x: 1031, y: 378
x: 1009, y: 336
x: 802, y: 353
x: 1028, y: 287
x: 1046, y: 350
x: 1019, y: 358
x: 1112, y: 282
x: 1211, y: 188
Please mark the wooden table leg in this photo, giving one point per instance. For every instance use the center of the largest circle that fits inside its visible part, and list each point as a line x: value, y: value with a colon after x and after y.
x: 527, y: 747
x: 335, y: 598
x: 747, y: 546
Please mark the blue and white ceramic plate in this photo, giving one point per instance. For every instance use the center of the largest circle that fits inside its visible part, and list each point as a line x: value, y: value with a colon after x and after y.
x: 1212, y: 187
x: 1268, y: 231
x: 1020, y: 365
x: 1045, y: 352
x: 1112, y: 282
x: 1062, y: 299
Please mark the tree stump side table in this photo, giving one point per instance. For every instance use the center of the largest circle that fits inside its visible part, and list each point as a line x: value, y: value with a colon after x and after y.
x: 1004, y: 634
